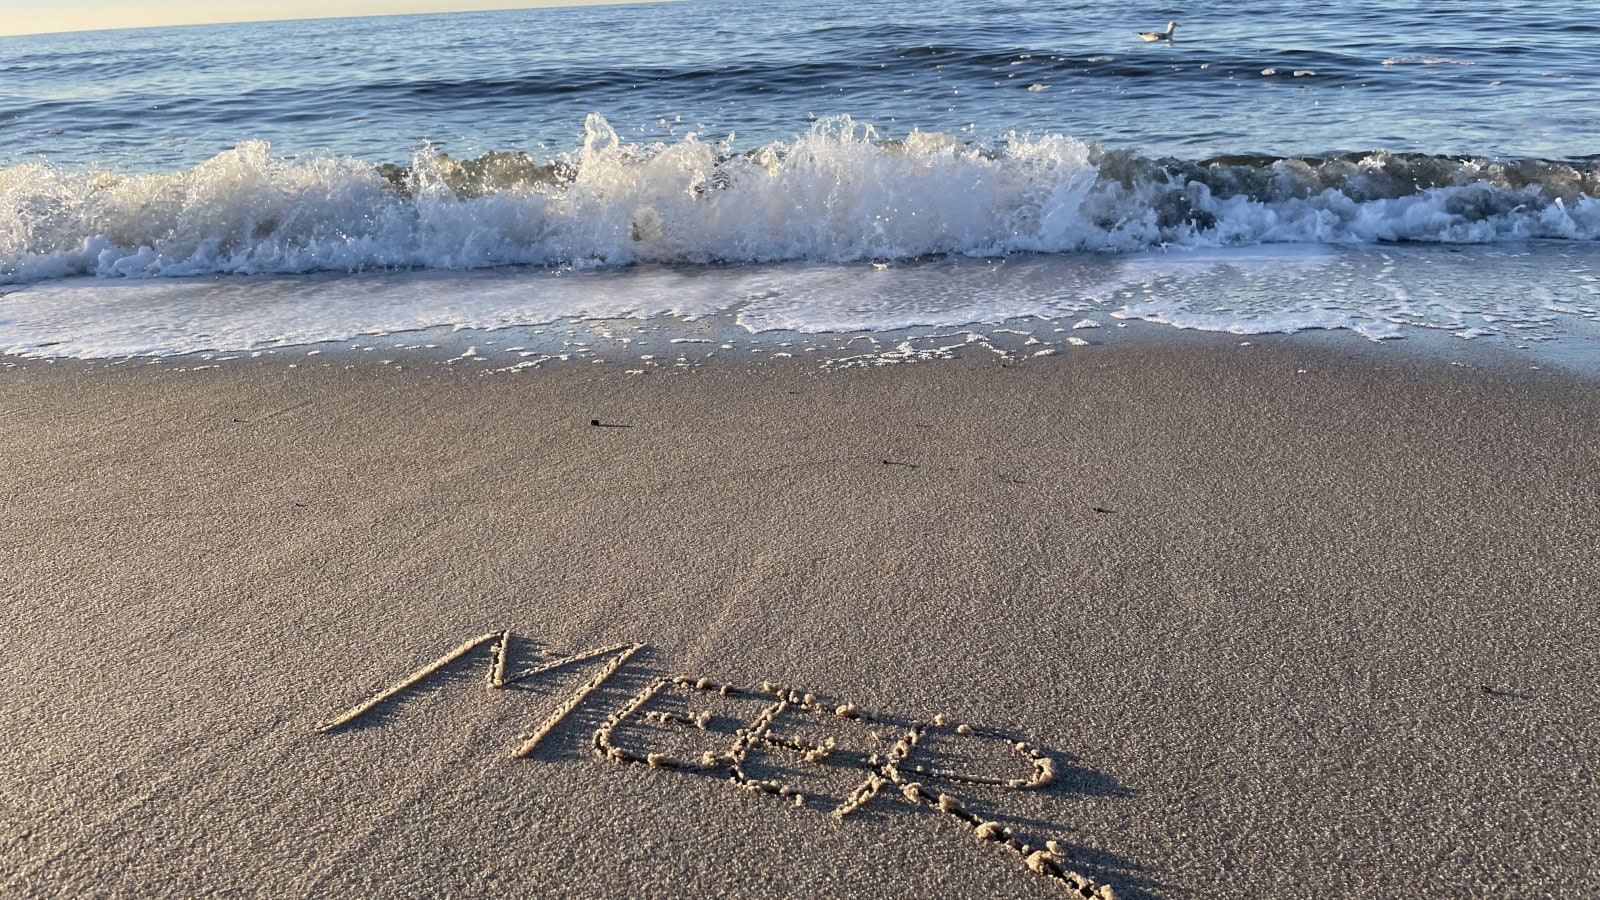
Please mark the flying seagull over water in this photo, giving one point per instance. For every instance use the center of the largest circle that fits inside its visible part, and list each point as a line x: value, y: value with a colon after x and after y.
x: 1159, y: 35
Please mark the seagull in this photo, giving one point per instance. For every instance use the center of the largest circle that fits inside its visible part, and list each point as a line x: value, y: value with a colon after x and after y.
x: 1159, y: 35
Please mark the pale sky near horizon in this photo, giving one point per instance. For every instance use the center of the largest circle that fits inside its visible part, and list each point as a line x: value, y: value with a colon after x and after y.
x: 44, y: 16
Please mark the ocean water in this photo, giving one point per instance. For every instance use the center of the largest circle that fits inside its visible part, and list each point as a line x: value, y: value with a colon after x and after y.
x: 807, y: 168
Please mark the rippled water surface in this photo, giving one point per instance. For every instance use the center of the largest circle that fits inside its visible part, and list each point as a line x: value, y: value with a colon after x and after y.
x: 1498, y: 79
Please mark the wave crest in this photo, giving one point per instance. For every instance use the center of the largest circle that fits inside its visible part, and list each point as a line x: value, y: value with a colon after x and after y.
x: 835, y: 193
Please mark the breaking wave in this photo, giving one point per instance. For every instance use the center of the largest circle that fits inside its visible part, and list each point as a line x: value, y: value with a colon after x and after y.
x: 836, y: 193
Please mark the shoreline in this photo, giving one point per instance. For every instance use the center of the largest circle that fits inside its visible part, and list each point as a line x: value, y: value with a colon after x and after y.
x: 670, y: 344
x: 1282, y: 616
x: 1531, y: 300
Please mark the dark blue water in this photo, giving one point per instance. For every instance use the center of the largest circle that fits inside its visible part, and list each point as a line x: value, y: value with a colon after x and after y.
x: 1483, y: 79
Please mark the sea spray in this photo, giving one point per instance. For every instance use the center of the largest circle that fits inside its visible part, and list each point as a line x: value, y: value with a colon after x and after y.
x: 838, y: 192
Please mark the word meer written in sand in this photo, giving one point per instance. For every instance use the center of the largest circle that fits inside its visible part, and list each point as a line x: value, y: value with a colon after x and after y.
x: 751, y: 735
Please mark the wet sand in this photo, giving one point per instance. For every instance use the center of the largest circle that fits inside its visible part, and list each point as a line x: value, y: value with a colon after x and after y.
x: 1290, y: 620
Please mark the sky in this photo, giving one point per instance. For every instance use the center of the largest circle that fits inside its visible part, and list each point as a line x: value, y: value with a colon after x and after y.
x: 37, y: 16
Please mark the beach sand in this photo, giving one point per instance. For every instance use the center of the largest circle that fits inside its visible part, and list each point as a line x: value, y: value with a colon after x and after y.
x: 1290, y: 620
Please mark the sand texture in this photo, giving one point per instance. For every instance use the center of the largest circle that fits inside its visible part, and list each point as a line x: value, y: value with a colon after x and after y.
x: 1194, y: 620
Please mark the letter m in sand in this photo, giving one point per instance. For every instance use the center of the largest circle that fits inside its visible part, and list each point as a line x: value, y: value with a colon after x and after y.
x: 497, y: 678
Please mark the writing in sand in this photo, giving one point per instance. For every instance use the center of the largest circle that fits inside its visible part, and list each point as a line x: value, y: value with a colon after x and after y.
x: 776, y: 741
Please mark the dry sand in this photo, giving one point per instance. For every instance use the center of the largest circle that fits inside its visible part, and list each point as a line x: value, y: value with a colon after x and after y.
x: 1286, y: 621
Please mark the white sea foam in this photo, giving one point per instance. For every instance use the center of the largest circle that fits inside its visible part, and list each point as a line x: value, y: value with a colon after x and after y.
x: 1515, y: 294
x: 1427, y: 61
x: 836, y: 193
x: 833, y: 194
x: 1379, y: 293
x: 104, y: 318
